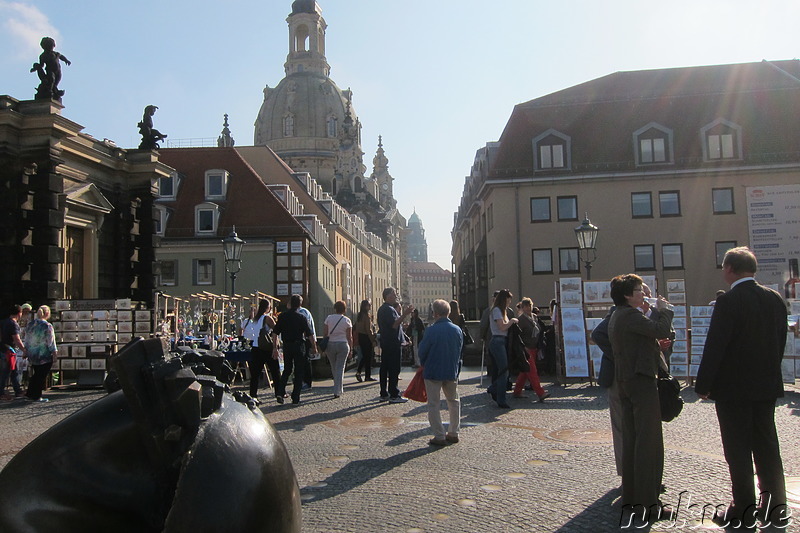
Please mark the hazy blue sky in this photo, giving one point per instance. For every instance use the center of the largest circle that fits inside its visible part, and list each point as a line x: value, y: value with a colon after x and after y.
x: 436, y: 79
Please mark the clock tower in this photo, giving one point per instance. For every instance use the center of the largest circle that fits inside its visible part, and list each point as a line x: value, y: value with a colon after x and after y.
x: 381, y: 176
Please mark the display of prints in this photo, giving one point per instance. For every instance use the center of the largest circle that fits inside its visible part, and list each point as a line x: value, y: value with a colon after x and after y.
x: 699, y: 330
x: 702, y: 310
x: 281, y: 247
x: 676, y: 297
x: 679, y: 310
x: 679, y: 358
x: 297, y: 247
x: 699, y: 340
x: 679, y: 346
x: 675, y: 285
x: 701, y: 321
x: 282, y: 289
x: 680, y: 335
x: 697, y: 350
x: 571, y: 293
x: 97, y: 364
x: 124, y: 303
x: 574, y: 330
x: 83, y: 364
x: 67, y: 364
x: 597, y: 292
x: 62, y: 305
x: 679, y: 323
x: 693, y: 370
x: 679, y: 370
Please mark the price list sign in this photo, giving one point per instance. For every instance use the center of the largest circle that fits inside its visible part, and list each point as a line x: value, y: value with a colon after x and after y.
x: 774, y: 222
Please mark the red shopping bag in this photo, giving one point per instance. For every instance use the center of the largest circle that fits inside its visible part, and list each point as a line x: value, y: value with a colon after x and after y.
x: 416, y: 388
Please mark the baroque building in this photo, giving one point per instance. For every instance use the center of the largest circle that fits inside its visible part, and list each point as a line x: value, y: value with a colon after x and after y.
x: 77, y: 211
x: 674, y: 166
x: 312, y: 125
x: 417, y: 245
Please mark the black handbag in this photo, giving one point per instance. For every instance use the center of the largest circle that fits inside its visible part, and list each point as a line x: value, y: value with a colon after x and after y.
x: 669, y: 396
x: 467, y: 337
x: 264, y: 340
x: 322, y: 345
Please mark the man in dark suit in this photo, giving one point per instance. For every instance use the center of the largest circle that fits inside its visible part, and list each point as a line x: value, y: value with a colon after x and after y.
x: 741, y: 371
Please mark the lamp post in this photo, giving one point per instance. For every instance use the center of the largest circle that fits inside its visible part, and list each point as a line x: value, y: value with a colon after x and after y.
x: 232, y: 247
x: 586, y: 234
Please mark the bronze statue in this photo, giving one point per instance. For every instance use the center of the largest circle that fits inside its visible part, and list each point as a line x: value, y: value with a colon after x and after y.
x: 173, y: 451
x: 150, y: 136
x: 49, y: 71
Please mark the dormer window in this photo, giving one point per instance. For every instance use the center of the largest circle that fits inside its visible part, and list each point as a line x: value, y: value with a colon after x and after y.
x: 652, y: 144
x: 216, y: 184
x: 168, y: 186
x: 721, y: 140
x: 160, y: 217
x: 551, y: 151
x: 206, y: 217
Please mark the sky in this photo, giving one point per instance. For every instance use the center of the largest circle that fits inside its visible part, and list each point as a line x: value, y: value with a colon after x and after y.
x: 436, y: 79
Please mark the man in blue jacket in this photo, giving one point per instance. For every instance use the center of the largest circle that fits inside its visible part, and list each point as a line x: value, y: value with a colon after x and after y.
x: 440, y: 355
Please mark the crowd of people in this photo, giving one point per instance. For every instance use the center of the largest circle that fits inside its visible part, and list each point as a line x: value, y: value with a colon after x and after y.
x: 28, y: 342
x: 740, y: 370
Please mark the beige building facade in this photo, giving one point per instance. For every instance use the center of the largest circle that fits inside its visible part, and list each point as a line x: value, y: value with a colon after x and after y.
x: 661, y: 161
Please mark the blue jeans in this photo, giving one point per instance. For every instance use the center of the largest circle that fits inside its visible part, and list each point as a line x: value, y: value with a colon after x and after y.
x: 497, y: 349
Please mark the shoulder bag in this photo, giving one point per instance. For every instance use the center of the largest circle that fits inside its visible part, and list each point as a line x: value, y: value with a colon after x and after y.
x: 322, y: 345
x: 669, y: 396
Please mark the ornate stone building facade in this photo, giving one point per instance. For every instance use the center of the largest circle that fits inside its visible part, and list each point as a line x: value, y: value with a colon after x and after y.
x: 77, y: 212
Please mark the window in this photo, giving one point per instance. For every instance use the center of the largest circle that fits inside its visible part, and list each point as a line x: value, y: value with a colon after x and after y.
x: 568, y: 260
x: 169, y: 273
x: 721, y: 140
x: 644, y: 257
x: 332, y: 126
x: 205, y: 218
x: 551, y: 151
x: 491, y: 265
x: 652, y: 144
x: 490, y: 217
x: 203, y: 272
x: 542, y: 261
x: 216, y: 184
x: 567, y: 207
x: 722, y: 201
x: 551, y: 156
x: 160, y: 216
x: 641, y: 205
x: 288, y: 126
x: 669, y: 203
x: 540, y: 209
x: 720, y: 247
x: 672, y: 256
x: 168, y: 186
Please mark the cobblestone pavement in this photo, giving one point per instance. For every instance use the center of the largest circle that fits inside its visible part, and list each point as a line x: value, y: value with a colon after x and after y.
x: 366, y: 466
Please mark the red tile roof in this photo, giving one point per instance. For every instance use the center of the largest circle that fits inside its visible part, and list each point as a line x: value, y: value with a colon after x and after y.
x: 249, y: 205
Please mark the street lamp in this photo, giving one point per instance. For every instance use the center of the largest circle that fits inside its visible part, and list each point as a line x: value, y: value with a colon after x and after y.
x: 586, y: 234
x: 232, y: 247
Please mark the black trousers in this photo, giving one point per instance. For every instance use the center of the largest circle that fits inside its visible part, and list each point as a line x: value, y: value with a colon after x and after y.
x: 38, y: 380
x: 367, y: 353
x: 390, y: 371
x: 749, y: 435
x: 258, y: 359
x: 294, y: 359
x: 642, y: 441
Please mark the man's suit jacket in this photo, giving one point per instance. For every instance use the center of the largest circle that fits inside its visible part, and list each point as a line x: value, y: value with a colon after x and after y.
x: 633, y: 338
x: 744, y: 347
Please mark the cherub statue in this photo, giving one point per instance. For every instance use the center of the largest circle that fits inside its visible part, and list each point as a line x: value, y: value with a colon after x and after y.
x: 150, y: 136
x: 49, y: 70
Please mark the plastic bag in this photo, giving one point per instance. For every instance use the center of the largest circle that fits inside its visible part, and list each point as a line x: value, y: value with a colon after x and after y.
x: 416, y: 388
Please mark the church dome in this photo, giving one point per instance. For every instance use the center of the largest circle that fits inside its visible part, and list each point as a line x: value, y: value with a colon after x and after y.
x: 414, y: 219
x: 304, y: 105
x: 304, y: 6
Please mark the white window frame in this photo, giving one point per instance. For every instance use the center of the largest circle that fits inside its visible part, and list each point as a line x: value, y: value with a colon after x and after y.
x: 161, y: 216
x: 543, y: 152
x: 174, y: 177
x: 224, y: 177
x: 645, y: 135
x: 721, y: 145
x: 214, y: 208
x: 714, y: 209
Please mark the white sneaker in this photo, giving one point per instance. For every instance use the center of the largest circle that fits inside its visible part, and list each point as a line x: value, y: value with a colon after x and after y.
x: 398, y: 399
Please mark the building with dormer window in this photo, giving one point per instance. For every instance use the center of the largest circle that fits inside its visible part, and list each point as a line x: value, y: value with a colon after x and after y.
x: 661, y: 160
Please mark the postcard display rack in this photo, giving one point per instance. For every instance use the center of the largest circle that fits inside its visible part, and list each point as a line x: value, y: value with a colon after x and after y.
x: 89, y: 331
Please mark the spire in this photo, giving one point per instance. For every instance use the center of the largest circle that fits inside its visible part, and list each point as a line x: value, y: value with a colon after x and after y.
x: 380, y: 163
x: 306, y: 39
x: 225, y: 140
